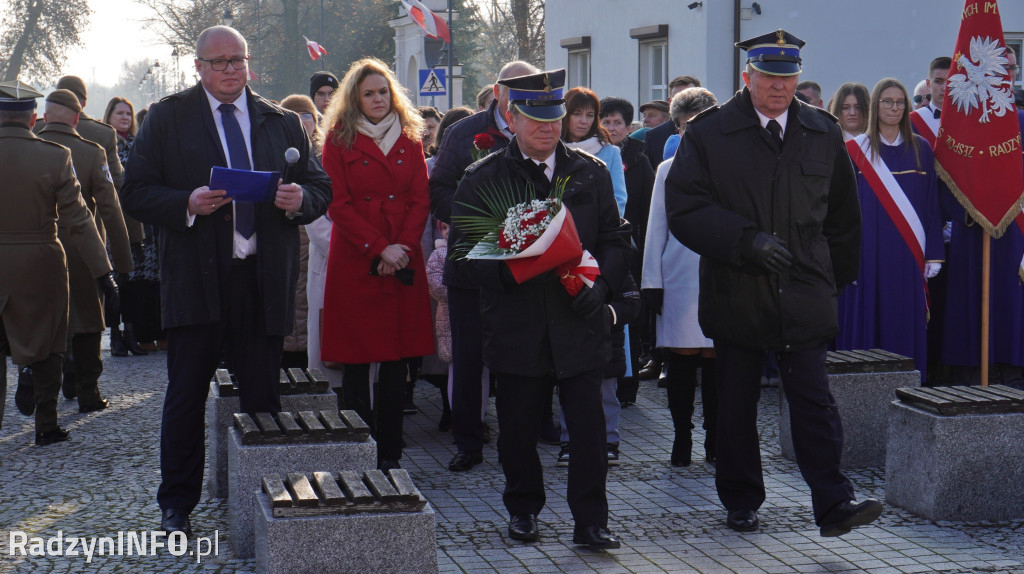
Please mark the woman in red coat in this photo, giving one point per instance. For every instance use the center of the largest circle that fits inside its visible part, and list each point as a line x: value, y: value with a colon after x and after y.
x: 376, y: 307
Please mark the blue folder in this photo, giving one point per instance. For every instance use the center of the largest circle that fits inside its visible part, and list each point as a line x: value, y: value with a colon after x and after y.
x: 244, y: 185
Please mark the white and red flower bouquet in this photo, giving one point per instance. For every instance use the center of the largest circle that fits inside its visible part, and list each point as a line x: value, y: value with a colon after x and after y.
x: 531, y: 237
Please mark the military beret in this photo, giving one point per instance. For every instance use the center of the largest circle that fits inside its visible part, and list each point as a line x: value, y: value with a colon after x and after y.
x: 66, y: 98
x: 776, y: 53
x: 73, y: 83
x: 16, y: 96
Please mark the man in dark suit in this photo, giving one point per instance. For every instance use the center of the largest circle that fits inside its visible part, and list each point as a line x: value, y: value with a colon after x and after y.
x: 227, y: 268
x: 654, y: 140
x: 763, y: 189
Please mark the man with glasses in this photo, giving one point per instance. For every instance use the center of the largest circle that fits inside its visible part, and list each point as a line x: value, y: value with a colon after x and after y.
x: 321, y: 87
x: 921, y: 95
x: 227, y: 268
x: 762, y: 187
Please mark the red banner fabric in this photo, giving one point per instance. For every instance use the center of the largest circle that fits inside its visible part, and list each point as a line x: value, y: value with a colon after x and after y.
x: 978, y: 147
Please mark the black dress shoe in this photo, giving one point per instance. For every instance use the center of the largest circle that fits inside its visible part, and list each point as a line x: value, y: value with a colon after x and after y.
x: 386, y: 465
x: 848, y: 515
x: 175, y: 520
x: 465, y: 460
x: 93, y: 407
x: 523, y: 527
x: 25, y: 396
x: 49, y: 437
x: 117, y: 348
x: 742, y: 520
x: 594, y: 536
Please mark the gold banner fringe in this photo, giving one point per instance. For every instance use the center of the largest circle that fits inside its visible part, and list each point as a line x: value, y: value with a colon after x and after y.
x: 997, y: 231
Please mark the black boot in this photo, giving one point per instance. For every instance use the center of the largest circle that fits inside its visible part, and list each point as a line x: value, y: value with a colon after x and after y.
x: 709, y: 400
x: 24, y: 396
x: 682, y: 388
x: 117, y: 348
x: 131, y: 343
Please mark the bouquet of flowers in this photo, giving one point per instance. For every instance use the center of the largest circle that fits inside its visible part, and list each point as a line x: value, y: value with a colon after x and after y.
x: 531, y: 236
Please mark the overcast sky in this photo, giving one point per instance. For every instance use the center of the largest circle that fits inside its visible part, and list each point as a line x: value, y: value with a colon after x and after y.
x: 115, y: 34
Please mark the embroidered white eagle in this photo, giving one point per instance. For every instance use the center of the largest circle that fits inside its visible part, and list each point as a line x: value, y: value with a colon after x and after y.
x: 984, y: 85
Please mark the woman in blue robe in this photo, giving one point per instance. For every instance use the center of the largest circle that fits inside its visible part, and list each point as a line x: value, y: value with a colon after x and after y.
x: 887, y: 307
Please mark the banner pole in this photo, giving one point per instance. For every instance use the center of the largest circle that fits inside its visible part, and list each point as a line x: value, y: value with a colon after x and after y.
x: 986, y: 260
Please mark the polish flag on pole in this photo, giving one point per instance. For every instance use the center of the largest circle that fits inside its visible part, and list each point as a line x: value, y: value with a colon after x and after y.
x: 431, y: 23
x: 315, y: 50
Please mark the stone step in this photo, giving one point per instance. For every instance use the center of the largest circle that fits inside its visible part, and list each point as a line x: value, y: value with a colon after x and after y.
x: 291, y: 382
x: 959, y: 400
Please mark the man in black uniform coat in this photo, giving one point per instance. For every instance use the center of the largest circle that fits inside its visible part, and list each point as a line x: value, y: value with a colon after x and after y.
x: 227, y: 269
x: 763, y: 189
x: 535, y: 332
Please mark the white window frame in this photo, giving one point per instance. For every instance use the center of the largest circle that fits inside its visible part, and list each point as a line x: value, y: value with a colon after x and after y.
x: 579, y: 69
x: 654, y: 73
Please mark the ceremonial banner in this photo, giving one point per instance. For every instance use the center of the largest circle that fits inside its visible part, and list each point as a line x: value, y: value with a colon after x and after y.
x: 978, y: 147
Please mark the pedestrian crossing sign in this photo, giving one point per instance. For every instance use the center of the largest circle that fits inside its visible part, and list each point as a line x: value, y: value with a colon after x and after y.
x: 432, y: 82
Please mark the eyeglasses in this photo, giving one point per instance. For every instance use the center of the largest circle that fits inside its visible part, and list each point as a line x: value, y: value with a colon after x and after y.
x: 219, y: 64
x: 1012, y: 70
x: 893, y: 104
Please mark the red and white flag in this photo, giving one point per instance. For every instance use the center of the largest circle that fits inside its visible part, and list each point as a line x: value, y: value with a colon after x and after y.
x: 431, y: 23
x: 978, y: 147
x: 315, y: 50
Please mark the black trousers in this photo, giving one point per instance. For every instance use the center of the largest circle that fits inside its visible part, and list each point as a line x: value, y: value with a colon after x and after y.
x: 817, y: 429
x: 519, y: 403
x: 88, y: 366
x: 385, y: 418
x: 467, y: 368
x: 193, y: 353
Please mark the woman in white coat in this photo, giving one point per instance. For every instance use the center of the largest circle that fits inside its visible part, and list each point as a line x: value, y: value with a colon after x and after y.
x: 670, y: 284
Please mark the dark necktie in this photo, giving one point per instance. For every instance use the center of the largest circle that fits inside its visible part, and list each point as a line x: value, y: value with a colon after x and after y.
x: 245, y: 211
x: 776, y: 130
x: 938, y: 113
x: 537, y: 176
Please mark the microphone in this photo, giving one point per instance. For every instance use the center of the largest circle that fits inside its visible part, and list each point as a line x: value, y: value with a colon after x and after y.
x: 291, y: 155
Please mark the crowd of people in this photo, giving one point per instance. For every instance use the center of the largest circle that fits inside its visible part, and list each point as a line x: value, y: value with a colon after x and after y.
x: 733, y: 235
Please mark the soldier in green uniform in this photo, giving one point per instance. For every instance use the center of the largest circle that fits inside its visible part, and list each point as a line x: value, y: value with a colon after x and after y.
x: 86, y: 319
x: 39, y: 185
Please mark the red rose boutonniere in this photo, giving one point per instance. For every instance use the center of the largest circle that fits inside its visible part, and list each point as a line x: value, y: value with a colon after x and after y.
x: 482, y: 144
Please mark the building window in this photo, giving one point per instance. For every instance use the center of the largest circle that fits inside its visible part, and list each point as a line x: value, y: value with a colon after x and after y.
x: 653, y: 49
x: 579, y: 69
x: 653, y: 70
x: 1015, y: 42
x: 579, y: 61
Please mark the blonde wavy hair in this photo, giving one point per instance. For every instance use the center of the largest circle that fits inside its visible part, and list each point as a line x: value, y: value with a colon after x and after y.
x: 343, y: 113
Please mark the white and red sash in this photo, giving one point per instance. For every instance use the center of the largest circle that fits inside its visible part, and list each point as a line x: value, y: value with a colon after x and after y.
x: 927, y: 124
x: 890, y: 195
x: 1020, y: 227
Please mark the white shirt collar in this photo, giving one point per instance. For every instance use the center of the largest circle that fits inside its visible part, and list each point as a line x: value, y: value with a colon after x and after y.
x: 549, y: 170
x: 898, y: 142
x: 241, y: 103
x: 500, y: 121
x: 781, y: 119
x: 932, y: 108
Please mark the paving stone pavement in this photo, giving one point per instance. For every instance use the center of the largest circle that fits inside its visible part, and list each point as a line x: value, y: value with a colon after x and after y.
x: 669, y: 519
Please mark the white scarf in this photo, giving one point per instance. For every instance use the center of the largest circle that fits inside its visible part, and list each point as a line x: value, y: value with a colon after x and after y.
x: 591, y: 145
x: 384, y: 134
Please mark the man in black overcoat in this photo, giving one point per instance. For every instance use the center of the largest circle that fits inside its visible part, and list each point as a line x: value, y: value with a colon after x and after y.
x: 534, y: 332
x: 227, y: 269
x: 763, y: 189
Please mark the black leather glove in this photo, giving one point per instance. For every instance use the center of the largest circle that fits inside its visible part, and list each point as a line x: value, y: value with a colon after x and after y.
x: 111, y: 294
x: 770, y: 253
x: 654, y: 299
x: 590, y: 300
